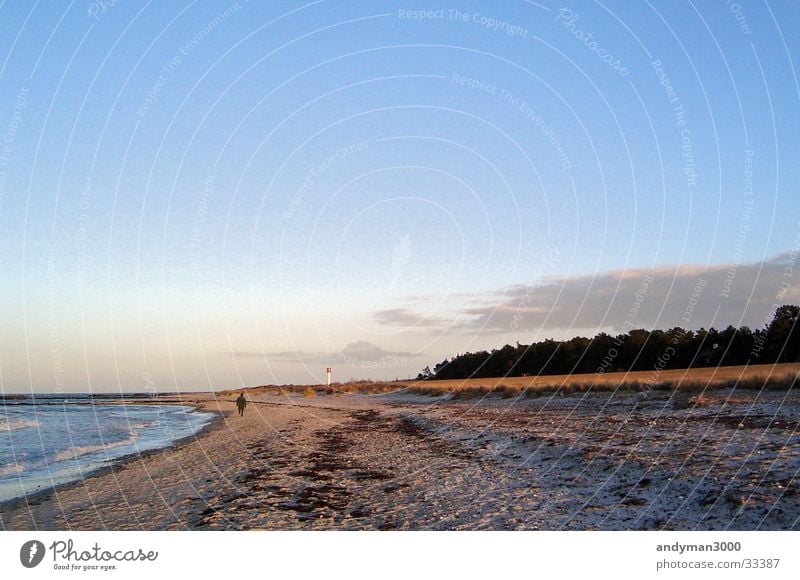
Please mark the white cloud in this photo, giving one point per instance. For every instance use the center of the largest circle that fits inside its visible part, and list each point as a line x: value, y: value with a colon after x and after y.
x: 354, y: 353
x: 618, y: 300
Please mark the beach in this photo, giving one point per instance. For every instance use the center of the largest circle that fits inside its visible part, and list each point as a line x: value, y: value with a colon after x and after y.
x: 587, y: 461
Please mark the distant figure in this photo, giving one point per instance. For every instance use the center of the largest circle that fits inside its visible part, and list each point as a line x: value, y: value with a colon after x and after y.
x: 241, y: 403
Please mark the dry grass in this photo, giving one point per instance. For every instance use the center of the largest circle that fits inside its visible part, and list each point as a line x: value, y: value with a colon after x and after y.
x: 709, y: 375
x: 781, y: 376
x: 771, y: 377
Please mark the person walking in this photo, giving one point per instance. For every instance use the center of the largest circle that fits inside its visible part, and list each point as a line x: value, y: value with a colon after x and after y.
x: 241, y: 403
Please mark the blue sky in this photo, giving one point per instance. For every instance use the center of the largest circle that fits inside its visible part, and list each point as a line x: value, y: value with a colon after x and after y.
x: 209, y: 194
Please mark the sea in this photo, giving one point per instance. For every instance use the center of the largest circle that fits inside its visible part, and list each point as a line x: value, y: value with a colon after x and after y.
x: 48, y: 440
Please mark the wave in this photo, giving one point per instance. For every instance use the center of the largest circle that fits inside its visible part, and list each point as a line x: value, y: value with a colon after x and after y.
x: 145, y: 424
x: 7, y: 424
x: 75, y: 452
x: 11, y: 469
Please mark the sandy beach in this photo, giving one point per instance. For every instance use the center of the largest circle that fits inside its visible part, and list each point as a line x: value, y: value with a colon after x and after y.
x: 401, y: 462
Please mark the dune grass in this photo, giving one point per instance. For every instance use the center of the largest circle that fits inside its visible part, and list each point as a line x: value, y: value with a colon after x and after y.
x: 771, y: 377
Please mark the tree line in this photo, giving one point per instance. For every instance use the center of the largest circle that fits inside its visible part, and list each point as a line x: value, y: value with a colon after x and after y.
x: 636, y: 350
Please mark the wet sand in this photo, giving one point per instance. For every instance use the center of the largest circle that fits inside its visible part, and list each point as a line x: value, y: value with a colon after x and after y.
x: 398, y: 462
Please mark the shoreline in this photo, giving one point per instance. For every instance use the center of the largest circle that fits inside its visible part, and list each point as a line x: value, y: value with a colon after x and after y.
x: 721, y: 460
x: 37, y: 497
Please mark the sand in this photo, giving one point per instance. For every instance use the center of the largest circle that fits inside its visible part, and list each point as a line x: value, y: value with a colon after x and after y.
x: 399, y: 462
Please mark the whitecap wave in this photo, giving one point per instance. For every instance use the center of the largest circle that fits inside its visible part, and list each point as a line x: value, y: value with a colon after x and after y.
x: 145, y: 424
x: 7, y: 424
x: 11, y: 469
x: 78, y: 451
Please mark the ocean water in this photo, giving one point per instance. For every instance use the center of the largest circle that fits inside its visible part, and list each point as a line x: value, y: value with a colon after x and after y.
x: 51, y: 440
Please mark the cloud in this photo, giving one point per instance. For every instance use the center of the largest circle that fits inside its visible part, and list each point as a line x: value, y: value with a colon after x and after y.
x: 407, y: 317
x: 358, y: 352
x: 362, y: 351
x: 277, y: 356
x: 618, y: 300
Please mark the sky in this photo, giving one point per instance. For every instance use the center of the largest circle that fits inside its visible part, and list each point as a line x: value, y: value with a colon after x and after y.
x: 204, y: 195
